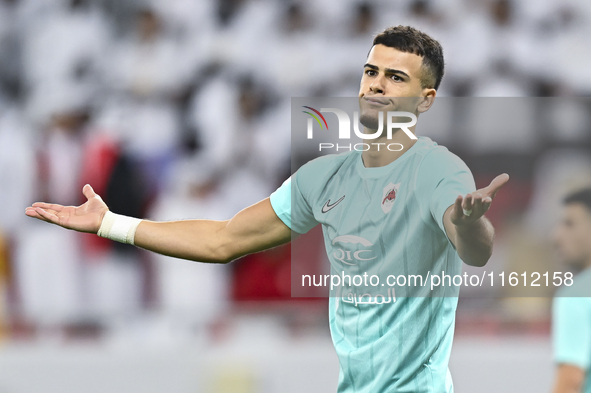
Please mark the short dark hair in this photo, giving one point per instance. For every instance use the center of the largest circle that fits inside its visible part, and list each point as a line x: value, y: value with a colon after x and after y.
x: 582, y: 196
x: 411, y: 40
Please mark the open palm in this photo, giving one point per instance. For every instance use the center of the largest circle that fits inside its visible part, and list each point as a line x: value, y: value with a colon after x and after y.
x: 84, y: 218
x: 476, y: 203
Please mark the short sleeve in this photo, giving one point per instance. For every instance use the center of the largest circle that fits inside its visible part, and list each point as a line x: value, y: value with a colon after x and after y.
x: 292, y: 207
x: 442, y: 177
x: 571, y: 331
x: 281, y: 202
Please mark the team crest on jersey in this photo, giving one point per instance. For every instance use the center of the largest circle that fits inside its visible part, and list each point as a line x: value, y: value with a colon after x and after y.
x: 389, y: 196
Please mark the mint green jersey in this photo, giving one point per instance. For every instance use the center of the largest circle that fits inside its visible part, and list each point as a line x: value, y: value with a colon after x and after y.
x: 571, y: 325
x: 385, y: 221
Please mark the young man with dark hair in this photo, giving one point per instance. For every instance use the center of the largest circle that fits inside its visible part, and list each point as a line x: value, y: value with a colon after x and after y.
x: 409, y: 40
x: 571, y: 314
x: 416, y: 208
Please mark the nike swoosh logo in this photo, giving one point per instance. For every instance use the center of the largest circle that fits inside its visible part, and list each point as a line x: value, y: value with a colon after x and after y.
x: 327, y: 206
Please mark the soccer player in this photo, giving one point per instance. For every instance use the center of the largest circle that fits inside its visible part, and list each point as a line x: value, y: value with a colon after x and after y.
x: 417, y: 209
x: 571, y: 319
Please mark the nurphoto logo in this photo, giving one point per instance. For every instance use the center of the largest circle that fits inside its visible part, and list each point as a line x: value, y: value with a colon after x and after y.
x: 392, y: 123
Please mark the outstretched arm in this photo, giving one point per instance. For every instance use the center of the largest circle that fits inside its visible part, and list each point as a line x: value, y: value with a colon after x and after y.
x: 253, y: 229
x: 471, y: 233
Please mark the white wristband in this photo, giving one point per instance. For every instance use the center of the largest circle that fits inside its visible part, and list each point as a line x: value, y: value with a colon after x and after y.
x: 119, y: 228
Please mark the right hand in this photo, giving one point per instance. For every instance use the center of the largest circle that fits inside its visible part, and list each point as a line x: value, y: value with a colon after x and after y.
x: 84, y: 218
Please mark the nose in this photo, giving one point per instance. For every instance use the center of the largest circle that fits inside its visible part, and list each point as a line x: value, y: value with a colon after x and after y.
x: 377, y: 86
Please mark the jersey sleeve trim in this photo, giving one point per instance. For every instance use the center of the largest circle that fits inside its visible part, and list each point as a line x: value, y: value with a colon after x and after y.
x: 281, y: 202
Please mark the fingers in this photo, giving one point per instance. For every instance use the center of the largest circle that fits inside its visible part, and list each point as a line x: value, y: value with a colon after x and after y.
x: 458, y: 207
x: 496, y: 184
x: 470, y: 208
x: 468, y: 205
x: 48, y: 216
x: 44, y: 214
x: 486, y: 202
x: 88, y: 192
x: 48, y: 206
x: 478, y: 204
x: 41, y: 214
x: 30, y: 211
x: 474, y: 205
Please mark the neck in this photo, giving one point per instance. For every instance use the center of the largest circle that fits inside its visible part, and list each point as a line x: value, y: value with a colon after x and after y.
x: 380, y: 155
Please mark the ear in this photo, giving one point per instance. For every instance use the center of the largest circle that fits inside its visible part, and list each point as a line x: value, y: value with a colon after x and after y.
x: 426, y: 100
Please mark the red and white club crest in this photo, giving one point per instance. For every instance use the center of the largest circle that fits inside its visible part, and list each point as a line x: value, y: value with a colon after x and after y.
x: 389, y: 196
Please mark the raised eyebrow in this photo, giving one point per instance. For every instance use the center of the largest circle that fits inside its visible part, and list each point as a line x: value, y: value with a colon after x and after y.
x: 392, y: 71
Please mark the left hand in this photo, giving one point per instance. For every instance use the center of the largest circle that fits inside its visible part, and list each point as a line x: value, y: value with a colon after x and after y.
x: 476, y: 203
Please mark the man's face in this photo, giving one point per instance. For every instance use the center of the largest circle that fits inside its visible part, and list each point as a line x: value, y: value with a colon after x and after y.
x: 573, y: 235
x: 388, y: 75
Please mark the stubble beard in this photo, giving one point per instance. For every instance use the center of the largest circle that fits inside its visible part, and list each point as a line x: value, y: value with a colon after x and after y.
x: 370, y: 120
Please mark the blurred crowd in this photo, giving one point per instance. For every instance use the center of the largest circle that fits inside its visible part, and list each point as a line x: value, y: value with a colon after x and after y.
x: 177, y: 109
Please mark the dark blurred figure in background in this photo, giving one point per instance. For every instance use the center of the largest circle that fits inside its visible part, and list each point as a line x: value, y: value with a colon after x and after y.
x: 364, y: 20
x: 10, y: 51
